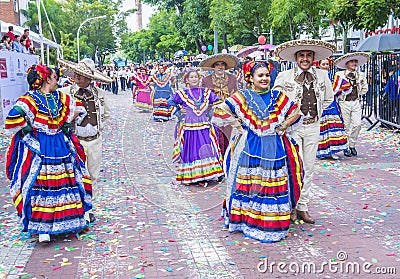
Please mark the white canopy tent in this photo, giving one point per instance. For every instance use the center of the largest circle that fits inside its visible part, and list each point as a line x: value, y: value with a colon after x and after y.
x: 35, y: 39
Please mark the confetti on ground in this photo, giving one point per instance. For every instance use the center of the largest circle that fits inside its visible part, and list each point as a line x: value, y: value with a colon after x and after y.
x: 149, y: 226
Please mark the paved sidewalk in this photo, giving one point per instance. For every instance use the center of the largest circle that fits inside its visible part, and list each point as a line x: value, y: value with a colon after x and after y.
x: 150, y: 227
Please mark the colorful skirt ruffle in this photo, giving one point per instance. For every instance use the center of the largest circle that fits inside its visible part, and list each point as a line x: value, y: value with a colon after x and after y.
x: 162, y: 111
x: 198, y: 155
x: 199, y: 170
x: 332, y: 137
x: 263, y: 192
x: 51, y: 186
x: 143, y: 100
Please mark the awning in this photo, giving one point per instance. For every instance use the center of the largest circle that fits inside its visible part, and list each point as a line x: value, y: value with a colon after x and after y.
x: 34, y: 37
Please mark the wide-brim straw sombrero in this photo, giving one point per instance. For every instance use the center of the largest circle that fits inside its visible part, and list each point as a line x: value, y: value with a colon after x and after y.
x: 321, y: 49
x: 85, y: 68
x: 230, y: 60
x: 361, y: 57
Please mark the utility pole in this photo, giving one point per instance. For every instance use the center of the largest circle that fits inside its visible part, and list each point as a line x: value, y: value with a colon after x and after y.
x: 40, y: 32
x: 271, y: 36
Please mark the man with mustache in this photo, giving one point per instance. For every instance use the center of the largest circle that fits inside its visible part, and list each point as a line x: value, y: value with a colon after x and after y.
x: 223, y: 84
x: 312, y: 90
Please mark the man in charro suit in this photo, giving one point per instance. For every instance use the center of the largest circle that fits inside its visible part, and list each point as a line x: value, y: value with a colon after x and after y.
x: 350, y: 101
x: 312, y: 90
x: 88, y: 130
x: 223, y: 84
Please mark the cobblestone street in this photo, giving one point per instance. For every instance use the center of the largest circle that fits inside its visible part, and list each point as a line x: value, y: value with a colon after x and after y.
x: 148, y: 226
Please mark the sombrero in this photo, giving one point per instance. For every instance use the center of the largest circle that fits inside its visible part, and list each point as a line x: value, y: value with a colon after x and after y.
x: 230, y: 60
x: 321, y: 49
x: 85, y: 68
x: 361, y: 57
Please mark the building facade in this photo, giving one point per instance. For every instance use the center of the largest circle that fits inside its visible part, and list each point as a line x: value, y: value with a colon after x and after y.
x: 9, y: 11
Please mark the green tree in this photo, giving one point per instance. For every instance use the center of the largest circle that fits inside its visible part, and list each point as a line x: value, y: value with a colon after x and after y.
x: 237, y: 20
x: 160, y: 40
x: 372, y: 14
x: 194, y: 24
x: 169, y: 44
x: 345, y: 13
x: 97, y: 36
x: 136, y: 46
x: 164, y: 36
x: 240, y: 22
x: 56, y: 19
x: 167, y: 4
x: 283, y: 14
x: 68, y: 44
x: 300, y: 16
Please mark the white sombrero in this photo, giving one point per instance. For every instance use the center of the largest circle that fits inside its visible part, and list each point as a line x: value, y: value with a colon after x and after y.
x: 321, y: 49
x: 230, y: 60
x: 361, y: 57
x: 86, y: 68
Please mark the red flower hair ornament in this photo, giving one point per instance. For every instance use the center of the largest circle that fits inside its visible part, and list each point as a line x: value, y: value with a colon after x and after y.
x: 42, y: 73
x: 250, y: 67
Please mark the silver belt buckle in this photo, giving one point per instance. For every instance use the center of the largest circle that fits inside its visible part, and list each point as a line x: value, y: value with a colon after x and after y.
x: 308, y: 121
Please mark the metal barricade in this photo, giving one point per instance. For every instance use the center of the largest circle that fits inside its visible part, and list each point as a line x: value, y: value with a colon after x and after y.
x: 384, y: 84
x: 381, y: 104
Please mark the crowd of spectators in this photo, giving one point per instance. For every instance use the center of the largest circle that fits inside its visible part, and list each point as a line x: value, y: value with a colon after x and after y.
x: 18, y: 43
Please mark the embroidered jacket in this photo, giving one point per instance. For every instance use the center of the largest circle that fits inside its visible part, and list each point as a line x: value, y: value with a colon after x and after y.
x: 102, y: 109
x: 361, y: 83
x: 294, y: 90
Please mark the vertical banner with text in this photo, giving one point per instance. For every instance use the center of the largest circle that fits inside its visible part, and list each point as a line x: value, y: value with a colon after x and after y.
x: 13, y: 84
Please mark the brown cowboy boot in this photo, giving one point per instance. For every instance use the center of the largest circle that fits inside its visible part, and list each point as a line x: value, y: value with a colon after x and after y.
x: 293, y: 215
x: 305, y: 216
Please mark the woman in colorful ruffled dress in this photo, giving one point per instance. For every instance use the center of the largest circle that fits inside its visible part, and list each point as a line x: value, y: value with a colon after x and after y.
x: 196, y: 145
x: 163, y: 82
x: 263, y: 166
x: 332, y: 137
x: 142, y: 90
x: 50, y: 185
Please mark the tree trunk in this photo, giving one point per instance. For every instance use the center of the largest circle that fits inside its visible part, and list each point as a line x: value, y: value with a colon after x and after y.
x: 198, y: 45
x: 202, y: 41
x: 292, y: 35
x: 102, y: 58
x: 335, y: 33
x: 180, y: 7
x: 225, y: 40
x: 258, y: 23
x: 315, y: 32
x: 345, y: 29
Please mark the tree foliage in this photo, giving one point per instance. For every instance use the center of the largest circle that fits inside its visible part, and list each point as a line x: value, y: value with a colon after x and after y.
x: 300, y: 17
x: 167, y: 4
x: 345, y: 13
x: 96, y: 36
x: 363, y: 14
x: 190, y: 24
x: 160, y: 40
x: 373, y: 14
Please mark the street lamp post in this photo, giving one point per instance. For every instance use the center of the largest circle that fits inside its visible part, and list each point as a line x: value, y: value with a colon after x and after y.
x: 79, y: 30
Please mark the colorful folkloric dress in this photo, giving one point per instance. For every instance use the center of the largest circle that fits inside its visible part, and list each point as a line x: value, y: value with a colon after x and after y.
x: 264, y: 170
x: 196, y: 145
x: 50, y: 185
x: 142, y: 92
x: 162, y: 92
x: 332, y: 135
